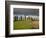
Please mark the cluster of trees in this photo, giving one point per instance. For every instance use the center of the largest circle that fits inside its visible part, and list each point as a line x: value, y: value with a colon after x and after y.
x: 16, y: 18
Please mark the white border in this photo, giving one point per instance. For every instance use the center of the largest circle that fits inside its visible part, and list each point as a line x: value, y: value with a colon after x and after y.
x: 28, y: 30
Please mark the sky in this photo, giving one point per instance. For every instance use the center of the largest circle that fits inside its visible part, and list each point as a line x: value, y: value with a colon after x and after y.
x: 25, y: 11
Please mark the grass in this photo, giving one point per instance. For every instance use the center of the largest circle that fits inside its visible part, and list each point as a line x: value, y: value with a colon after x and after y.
x: 26, y: 24
x: 23, y: 24
x: 35, y: 24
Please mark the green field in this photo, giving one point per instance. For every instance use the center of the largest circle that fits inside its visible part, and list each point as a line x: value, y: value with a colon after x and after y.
x: 24, y: 24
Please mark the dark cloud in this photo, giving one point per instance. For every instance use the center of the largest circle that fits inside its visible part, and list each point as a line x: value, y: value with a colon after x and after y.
x: 26, y: 11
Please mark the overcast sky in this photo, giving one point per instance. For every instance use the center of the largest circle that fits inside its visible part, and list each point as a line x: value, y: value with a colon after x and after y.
x: 26, y: 11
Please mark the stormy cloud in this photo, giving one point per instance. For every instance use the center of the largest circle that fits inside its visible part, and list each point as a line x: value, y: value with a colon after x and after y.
x: 25, y: 11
